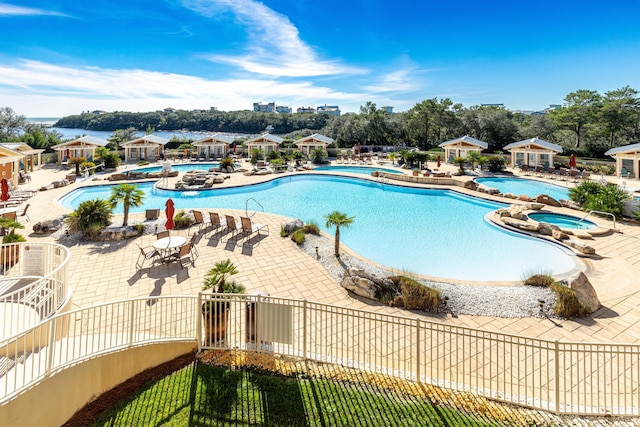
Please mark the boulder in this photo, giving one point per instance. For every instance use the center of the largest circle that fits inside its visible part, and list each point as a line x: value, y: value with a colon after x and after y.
x: 534, y: 206
x: 581, y: 247
x: 218, y: 179
x: 48, y: 226
x: 510, y: 196
x: 520, y: 224
x: 366, y: 285
x: 584, y: 291
x: 524, y: 198
x: 547, y: 200
x: 569, y: 204
x: 559, y: 235
x: 471, y: 185
x: 516, y: 211
x: 291, y: 226
x: 118, y: 177
x: 117, y: 233
x: 547, y: 229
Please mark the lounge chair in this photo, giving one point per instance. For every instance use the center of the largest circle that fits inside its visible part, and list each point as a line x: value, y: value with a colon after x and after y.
x: 194, y: 248
x: 551, y: 172
x: 248, y: 228
x: 524, y: 169
x: 152, y: 214
x: 201, y: 221
x: 232, y: 227
x: 624, y: 173
x: 24, y: 212
x: 10, y: 215
x: 214, y: 218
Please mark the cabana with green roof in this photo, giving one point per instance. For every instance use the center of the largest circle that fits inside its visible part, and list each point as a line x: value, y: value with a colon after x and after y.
x: 79, y: 147
x: 533, y: 152
x: 213, y: 147
x: 148, y: 147
x: 627, y: 160
x: 461, y: 147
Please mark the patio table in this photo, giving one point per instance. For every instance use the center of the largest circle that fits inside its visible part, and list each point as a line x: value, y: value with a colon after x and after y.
x: 166, y: 245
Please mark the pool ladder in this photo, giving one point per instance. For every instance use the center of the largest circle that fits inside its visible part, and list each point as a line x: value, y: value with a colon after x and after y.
x: 246, y: 207
x: 382, y: 178
x: 613, y: 217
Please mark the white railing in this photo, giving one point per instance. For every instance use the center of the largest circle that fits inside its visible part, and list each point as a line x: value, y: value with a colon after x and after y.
x: 565, y: 378
x: 33, y: 285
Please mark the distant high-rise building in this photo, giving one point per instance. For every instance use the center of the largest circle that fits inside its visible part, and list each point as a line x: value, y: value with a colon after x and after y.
x: 333, y: 110
x: 264, y: 108
x: 283, y: 109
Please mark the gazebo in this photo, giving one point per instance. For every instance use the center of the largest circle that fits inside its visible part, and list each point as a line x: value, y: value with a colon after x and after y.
x: 627, y: 160
x: 265, y: 142
x: 213, y: 147
x: 32, y: 156
x: 79, y: 147
x: 148, y: 147
x: 533, y: 152
x: 308, y: 143
x: 461, y: 147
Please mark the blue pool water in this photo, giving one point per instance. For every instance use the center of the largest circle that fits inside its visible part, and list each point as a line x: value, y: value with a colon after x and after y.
x: 355, y: 169
x: 530, y: 187
x: 180, y: 167
x: 562, y: 221
x: 432, y: 232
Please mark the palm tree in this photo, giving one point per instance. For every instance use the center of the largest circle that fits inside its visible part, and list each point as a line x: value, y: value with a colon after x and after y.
x: 90, y: 214
x: 217, y: 278
x: 127, y: 194
x: 338, y: 219
x: 460, y: 161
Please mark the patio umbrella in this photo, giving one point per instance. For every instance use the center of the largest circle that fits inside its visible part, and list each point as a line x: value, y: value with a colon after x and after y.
x: 438, y: 160
x: 68, y: 154
x: 4, y: 195
x: 234, y: 148
x: 169, y: 211
x: 572, y: 161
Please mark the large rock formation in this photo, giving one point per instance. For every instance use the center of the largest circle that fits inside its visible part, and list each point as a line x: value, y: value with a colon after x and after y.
x: 581, y: 247
x: 366, y: 285
x: 584, y: 291
x: 291, y: 226
x: 547, y: 200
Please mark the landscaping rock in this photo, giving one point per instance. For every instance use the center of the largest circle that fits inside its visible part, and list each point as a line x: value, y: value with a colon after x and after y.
x: 291, y: 226
x: 534, y: 206
x: 48, y: 226
x: 471, y: 185
x: 547, y: 229
x: 584, y: 291
x: 520, y: 224
x: 524, y: 198
x: 118, y: 177
x: 117, y: 233
x: 510, y: 196
x: 547, y: 200
x: 559, y: 235
x: 366, y: 285
x: 581, y: 247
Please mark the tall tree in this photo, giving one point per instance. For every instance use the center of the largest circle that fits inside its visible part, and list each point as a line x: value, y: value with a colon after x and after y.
x: 619, y: 112
x: 427, y: 122
x: 11, y: 124
x: 579, y: 110
x: 127, y: 194
x: 338, y: 219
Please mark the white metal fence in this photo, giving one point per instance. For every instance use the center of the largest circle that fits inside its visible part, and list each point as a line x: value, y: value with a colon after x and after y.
x: 565, y: 378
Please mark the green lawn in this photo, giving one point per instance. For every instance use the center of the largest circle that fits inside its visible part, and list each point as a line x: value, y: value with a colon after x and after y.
x: 205, y: 395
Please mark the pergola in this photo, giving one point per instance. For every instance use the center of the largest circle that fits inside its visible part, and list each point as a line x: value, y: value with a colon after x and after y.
x: 533, y: 152
x: 32, y: 156
x: 148, y: 147
x: 311, y: 142
x: 79, y: 147
x: 266, y: 143
x: 461, y: 147
x: 627, y: 160
x: 213, y: 147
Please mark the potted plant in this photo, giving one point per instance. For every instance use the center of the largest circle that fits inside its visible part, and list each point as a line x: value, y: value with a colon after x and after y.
x: 216, y: 313
x: 9, y: 255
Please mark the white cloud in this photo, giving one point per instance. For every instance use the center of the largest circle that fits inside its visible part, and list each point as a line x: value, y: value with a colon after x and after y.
x: 405, y: 80
x: 36, y: 88
x: 274, y: 45
x: 11, y: 10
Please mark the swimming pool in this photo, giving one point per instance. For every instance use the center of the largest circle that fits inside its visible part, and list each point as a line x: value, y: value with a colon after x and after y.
x: 562, y: 221
x: 438, y: 233
x: 355, y: 169
x: 530, y: 187
x: 180, y: 167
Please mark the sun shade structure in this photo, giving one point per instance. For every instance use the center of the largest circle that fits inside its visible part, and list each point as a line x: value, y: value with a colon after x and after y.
x: 533, y: 152
x: 627, y: 160
x: 213, y: 147
x: 79, y: 147
x: 461, y: 147
x: 148, y: 147
x: 308, y: 143
x: 266, y: 143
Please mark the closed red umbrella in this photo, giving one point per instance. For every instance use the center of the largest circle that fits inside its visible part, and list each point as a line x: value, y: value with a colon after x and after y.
x: 68, y: 154
x: 572, y: 161
x: 438, y: 160
x: 169, y: 211
x: 4, y: 194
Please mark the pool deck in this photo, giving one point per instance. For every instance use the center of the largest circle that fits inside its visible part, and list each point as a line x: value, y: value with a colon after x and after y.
x: 105, y: 271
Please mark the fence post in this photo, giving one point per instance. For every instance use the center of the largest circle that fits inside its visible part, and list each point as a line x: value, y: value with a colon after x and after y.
x: 418, y: 350
x: 51, y: 338
x: 132, y: 314
x: 304, y: 329
x: 556, y: 355
x: 199, y: 321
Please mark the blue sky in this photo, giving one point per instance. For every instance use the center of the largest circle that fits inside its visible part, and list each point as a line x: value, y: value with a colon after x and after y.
x: 64, y: 57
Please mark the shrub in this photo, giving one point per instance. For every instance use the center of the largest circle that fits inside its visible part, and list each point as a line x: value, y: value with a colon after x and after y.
x: 181, y: 220
x: 414, y: 295
x: 227, y: 162
x: 541, y: 280
x: 598, y: 197
x: 495, y: 164
x: 111, y: 160
x: 568, y: 305
x: 580, y: 193
x: 88, y: 216
x: 311, y: 229
x: 142, y: 163
x: 88, y: 165
x: 298, y: 236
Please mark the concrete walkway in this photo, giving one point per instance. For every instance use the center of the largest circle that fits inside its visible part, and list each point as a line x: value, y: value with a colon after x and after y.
x: 105, y: 271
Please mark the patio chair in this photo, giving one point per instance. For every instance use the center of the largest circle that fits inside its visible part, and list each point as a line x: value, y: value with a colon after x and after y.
x: 201, y: 221
x: 146, y: 254
x: 624, y: 173
x: 194, y: 248
x: 585, y: 175
x: 162, y: 234
x: 182, y: 253
x: 551, y: 172
x: 524, y: 169
x: 214, y: 218
x: 24, y: 212
x: 152, y: 214
x: 248, y: 228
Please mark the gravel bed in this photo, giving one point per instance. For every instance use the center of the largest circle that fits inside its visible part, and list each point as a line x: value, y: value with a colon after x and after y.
x: 475, y: 300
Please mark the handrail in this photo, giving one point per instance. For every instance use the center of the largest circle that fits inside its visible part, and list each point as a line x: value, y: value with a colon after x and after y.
x: 613, y: 217
x: 246, y: 207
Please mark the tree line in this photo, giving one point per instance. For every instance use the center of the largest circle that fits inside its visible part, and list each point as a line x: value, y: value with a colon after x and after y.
x: 587, y: 124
